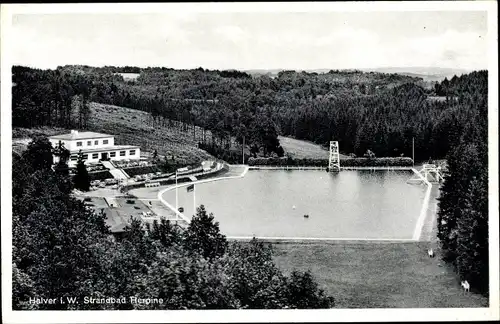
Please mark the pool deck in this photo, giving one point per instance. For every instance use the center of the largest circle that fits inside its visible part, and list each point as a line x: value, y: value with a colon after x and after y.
x: 239, y: 170
x: 424, y: 210
x: 359, y: 168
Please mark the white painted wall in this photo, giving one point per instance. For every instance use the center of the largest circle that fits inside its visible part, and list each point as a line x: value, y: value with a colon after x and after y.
x: 92, y: 158
x: 72, y: 145
x: 91, y: 143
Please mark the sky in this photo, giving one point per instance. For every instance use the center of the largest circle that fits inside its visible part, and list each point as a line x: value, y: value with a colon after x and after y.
x: 259, y: 40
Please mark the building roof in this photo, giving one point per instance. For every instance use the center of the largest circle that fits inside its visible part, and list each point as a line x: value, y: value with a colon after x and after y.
x: 76, y: 135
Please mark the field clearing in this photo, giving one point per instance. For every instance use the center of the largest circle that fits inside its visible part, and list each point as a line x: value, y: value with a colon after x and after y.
x: 378, y: 275
x: 303, y: 149
x: 129, y: 76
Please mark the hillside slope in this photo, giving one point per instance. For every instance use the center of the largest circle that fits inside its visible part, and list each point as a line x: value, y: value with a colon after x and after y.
x: 131, y: 127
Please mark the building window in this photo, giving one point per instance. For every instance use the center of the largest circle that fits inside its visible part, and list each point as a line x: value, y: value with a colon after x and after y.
x: 89, y: 143
x: 74, y: 157
x: 105, y: 142
x: 95, y: 155
x: 96, y: 142
x: 78, y: 143
x: 85, y: 156
x: 112, y: 154
x: 122, y: 153
x: 132, y: 152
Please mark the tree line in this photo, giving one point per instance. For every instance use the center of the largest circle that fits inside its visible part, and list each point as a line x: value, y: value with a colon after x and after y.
x: 463, y: 203
x: 384, y: 113
x: 63, y: 249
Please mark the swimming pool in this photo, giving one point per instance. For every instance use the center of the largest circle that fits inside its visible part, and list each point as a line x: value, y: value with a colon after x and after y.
x: 346, y: 205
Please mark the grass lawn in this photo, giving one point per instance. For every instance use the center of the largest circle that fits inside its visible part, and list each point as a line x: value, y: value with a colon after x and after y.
x: 378, y: 275
x: 303, y: 149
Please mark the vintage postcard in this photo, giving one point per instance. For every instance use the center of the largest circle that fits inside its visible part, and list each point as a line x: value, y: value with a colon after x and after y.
x: 263, y: 162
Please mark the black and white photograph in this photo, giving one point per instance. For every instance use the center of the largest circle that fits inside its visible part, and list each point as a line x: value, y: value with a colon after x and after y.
x: 219, y: 162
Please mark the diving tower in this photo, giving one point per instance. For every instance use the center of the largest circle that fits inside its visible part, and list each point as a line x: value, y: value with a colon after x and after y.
x: 334, y: 160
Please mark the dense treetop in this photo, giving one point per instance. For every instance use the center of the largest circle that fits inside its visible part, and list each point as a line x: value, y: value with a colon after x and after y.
x: 463, y: 205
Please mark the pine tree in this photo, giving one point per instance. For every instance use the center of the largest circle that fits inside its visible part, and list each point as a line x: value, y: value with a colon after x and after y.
x: 463, y: 214
x: 165, y: 232
x: 39, y: 154
x: 304, y: 292
x: 472, y: 242
x: 203, y: 235
x: 63, y: 154
x: 82, y: 178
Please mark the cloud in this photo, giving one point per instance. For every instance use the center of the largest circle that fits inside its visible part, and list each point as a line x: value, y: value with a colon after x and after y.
x: 347, y: 36
x: 244, y: 42
x: 449, y: 49
x: 232, y: 33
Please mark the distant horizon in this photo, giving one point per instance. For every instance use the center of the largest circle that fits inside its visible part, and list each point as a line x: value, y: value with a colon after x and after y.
x: 326, y: 69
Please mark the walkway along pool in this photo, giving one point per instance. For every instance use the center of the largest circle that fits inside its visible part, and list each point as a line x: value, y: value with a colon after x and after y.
x: 357, y: 205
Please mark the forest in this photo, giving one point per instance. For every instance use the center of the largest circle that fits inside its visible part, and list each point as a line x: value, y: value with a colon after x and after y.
x: 380, y: 113
x: 363, y: 111
x: 463, y: 203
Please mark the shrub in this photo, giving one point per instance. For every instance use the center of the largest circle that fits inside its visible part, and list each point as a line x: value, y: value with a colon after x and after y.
x: 351, y: 162
x: 384, y: 161
x: 101, y: 175
x: 132, y: 172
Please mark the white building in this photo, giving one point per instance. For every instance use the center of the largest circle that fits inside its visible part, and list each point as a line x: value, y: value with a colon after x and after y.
x: 94, y: 147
